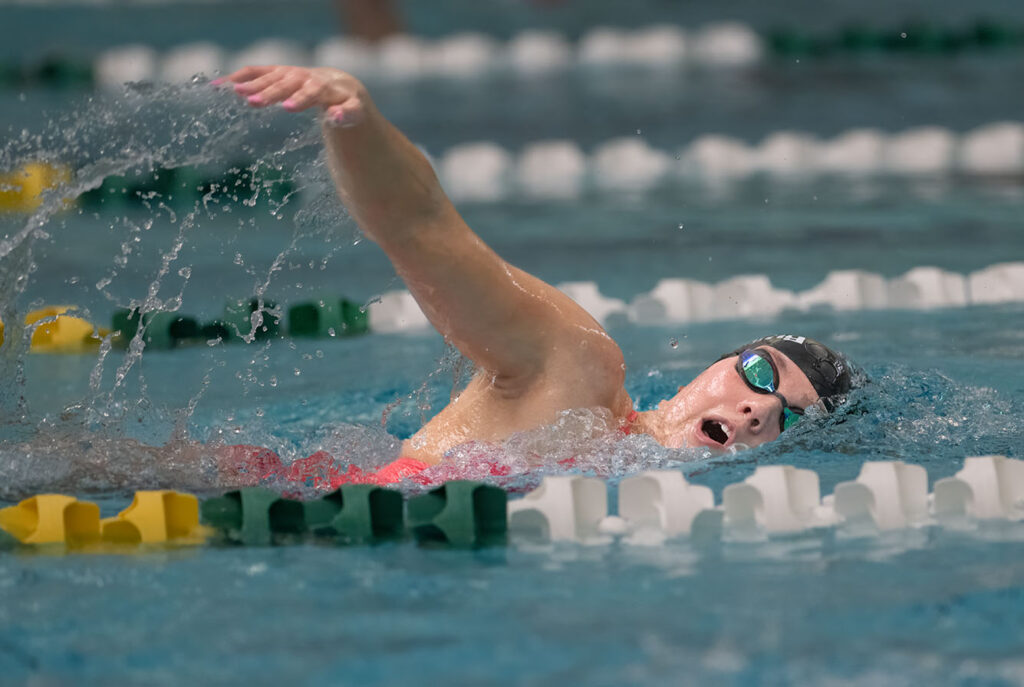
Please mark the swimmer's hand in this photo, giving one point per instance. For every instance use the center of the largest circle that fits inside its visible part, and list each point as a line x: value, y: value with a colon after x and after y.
x: 342, y: 96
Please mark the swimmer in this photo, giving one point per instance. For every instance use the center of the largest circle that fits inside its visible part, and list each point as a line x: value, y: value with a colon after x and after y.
x: 537, y: 352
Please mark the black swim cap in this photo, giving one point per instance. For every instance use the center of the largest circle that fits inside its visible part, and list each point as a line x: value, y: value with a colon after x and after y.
x: 827, y: 370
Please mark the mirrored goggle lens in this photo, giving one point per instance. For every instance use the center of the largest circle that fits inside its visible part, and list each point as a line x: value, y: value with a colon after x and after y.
x: 759, y: 372
x: 789, y: 418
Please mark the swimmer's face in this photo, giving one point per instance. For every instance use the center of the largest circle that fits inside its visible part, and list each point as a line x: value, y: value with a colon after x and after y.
x: 719, y: 410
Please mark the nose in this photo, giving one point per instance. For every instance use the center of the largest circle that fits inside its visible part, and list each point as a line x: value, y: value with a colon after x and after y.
x: 759, y: 411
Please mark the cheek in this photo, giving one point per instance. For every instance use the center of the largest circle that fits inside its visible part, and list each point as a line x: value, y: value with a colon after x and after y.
x: 715, y: 385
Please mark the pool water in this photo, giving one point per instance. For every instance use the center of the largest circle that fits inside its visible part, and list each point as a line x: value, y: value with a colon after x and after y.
x: 917, y: 606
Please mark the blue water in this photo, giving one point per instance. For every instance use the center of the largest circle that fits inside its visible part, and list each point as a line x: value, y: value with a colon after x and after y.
x: 923, y: 606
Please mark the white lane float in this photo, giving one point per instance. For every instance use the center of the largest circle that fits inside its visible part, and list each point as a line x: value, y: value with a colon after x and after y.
x: 551, y: 170
x: 775, y: 499
x: 923, y: 150
x: 674, y: 300
x: 663, y: 501
x: 562, y: 508
x: 1001, y: 283
x: 886, y: 495
x: 127, y: 64
x: 396, y: 311
x: 187, y: 61
x: 993, y: 149
x: 718, y: 158
x: 476, y: 172
x: 628, y: 164
x: 987, y: 488
x: 924, y: 288
x: 727, y: 44
x: 462, y: 56
x: 534, y: 53
x: 858, y: 151
x: 786, y: 153
x: 350, y: 54
x: 270, y: 51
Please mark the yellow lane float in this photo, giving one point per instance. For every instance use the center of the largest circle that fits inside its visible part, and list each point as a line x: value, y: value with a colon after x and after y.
x: 22, y: 189
x: 157, y: 517
x: 64, y: 334
x: 52, y: 519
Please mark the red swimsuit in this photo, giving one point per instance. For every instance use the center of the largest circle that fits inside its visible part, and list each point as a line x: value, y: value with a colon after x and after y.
x: 322, y: 471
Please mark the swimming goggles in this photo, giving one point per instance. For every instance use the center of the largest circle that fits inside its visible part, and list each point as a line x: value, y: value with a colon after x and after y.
x: 759, y: 372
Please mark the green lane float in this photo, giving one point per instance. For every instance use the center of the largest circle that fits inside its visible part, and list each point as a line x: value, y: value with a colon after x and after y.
x: 919, y: 39
x: 161, y: 330
x: 254, y: 516
x: 460, y: 513
x: 253, y: 182
x: 239, y: 320
x: 357, y: 514
x: 327, y: 317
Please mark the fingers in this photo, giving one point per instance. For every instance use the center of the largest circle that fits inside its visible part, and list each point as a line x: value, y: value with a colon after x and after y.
x: 259, y: 83
x: 307, y: 96
x: 278, y: 89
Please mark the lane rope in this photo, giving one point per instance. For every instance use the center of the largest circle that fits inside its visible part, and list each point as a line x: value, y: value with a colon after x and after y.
x: 653, y: 506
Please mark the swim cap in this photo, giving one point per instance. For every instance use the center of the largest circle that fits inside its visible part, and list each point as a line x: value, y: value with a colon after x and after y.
x: 827, y: 370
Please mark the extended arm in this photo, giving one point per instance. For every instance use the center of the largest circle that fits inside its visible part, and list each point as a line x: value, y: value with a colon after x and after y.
x: 502, y: 318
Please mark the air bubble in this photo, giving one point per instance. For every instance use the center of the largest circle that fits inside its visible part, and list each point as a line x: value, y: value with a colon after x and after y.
x: 674, y: 343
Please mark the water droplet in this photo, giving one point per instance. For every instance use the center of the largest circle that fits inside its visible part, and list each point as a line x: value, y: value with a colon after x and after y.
x: 680, y: 226
x: 297, y: 372
x: 639, y: 132
x: 903, y: 34
x: 273, y: 381
x: 238, y: 259
x: 674, y: 343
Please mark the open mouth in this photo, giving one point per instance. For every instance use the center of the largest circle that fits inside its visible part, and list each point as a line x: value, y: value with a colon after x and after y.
x: 716, y: 431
